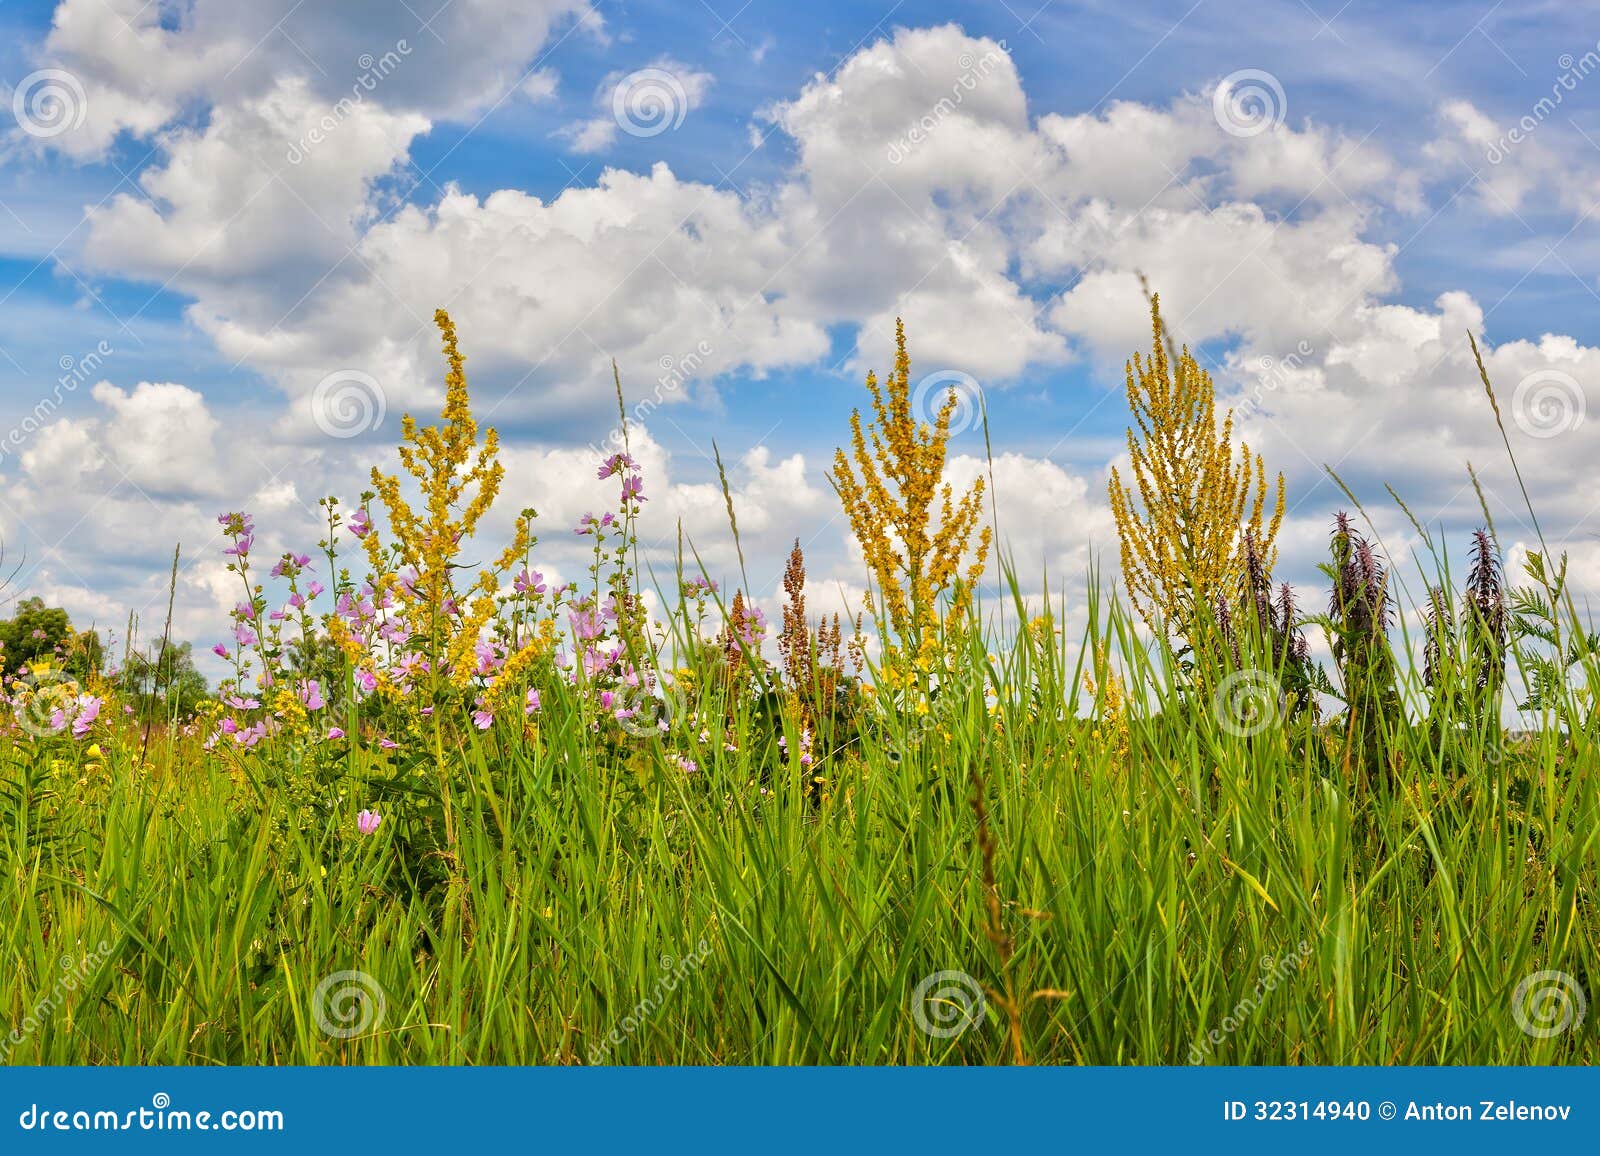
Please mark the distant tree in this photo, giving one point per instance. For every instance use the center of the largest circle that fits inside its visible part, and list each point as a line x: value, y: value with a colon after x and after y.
x: 163, y: 686
x: 38, y: 632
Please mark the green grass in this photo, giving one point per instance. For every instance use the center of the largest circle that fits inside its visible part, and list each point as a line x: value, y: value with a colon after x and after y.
x: 1139, y: 893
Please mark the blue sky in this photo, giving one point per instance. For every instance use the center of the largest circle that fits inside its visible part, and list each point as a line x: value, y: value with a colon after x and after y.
x: 1373, y: 180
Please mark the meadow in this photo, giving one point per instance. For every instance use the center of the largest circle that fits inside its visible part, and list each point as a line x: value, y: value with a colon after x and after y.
x: 442, y: 814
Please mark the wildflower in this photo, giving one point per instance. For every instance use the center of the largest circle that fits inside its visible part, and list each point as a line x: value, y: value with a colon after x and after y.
x: 366, y: 680
x: 290, y: 565
x: 687, y: 765
x: 913, y: 527
x: 699, y: 588
x: 633, y: 489
x: 367, y: 821
x: 388, y: 744
x: 1195, y: 497
x: 533, y: 701
x: 335, y: 733
x: 529, y: 582
x: 482, y: 719
x: 220, y: 650
x: 245, y: 610
x: 311, y: 695
x: 587, y: 623
x: 488, y: 658
x: 360, y: 524
x: 616, y: 462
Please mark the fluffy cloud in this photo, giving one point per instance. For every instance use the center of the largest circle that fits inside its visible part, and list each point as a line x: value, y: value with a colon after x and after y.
x: 922, y: 186
x: 139, y: 68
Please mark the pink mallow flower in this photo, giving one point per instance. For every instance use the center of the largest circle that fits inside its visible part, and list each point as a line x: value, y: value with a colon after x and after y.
x: 367, y: 821
x: 311, y: 695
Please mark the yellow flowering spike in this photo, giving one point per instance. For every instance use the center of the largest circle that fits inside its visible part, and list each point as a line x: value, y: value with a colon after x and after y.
x: 889, y: 483
x: 459, y: 479
x: 1193, y: 498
